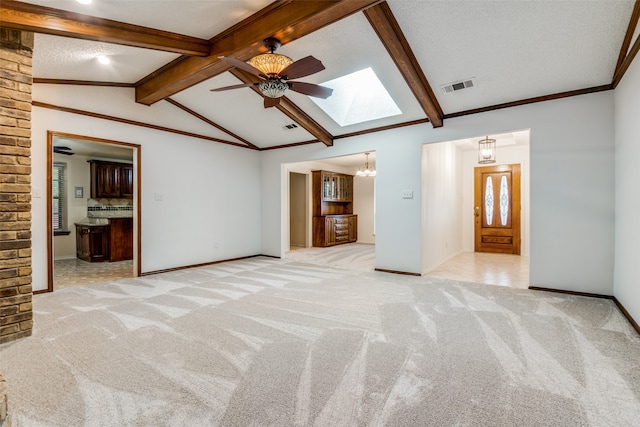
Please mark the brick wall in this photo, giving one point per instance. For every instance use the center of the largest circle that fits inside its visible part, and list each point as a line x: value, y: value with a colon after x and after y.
x: 15, y: 184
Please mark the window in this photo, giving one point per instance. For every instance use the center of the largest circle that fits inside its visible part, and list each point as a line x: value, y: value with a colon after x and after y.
x: 59, y: 198
x: 357, y: 97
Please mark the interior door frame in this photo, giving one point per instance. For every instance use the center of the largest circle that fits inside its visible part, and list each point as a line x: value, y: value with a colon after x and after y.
x: 516, y: 200
x: 137, y: 168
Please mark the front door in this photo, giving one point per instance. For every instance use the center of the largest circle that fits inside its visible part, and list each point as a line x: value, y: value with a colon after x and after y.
x: 497, y: 209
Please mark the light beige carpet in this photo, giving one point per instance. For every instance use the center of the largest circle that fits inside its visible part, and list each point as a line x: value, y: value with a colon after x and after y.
x: 284, y: 343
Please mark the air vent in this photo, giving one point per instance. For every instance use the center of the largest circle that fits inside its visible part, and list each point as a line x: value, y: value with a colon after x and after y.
x: 289, y: 127
x: 456, y: 86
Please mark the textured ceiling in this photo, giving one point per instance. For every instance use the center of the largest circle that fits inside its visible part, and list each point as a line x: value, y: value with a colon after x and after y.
x: 514, y: 49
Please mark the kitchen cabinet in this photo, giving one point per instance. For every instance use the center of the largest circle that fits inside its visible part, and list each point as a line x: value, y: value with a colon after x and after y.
x: 332, y: 205
x: 92, y: 242
x: 105, y: 242
x: 120, y: 239
x: 111, y: 179
x: 126, y: 181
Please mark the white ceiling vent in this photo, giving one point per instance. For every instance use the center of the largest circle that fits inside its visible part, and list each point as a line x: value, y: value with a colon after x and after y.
x: 456, y: 86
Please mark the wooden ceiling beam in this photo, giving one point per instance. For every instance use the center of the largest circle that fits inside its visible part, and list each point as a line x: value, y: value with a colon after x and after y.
x: 46, y: 20
x: 210, y: 122
x: 291, y: 110
x: 287, y: 20
x: 385, y: 25
x: 623, y: 58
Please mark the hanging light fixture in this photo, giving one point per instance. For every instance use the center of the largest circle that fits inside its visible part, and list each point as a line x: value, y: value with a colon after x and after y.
x: 365, y: 170
x: 271, y: 65
x: 487, y: 150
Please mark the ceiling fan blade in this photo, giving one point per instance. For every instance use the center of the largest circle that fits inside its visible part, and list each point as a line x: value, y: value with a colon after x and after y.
x: 302, y: 68
x: 311, y: 89
x: 243, y: 66
x: 271, y: 102
x: 66, y: 153
x: 61, y: 147
x: 220, y: 89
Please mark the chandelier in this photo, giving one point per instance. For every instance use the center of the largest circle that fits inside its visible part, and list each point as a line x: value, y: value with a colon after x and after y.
x: 487, y: 150
x: 365, y: 170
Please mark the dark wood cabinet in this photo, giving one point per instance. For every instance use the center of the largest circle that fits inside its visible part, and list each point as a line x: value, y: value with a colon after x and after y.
x: 334, y: 230
x: 111, y: 179
x: 333, y: 219
x: 112, y: 242
x: 126, y: 181
x: 92, y: 242
x: 120, y: 239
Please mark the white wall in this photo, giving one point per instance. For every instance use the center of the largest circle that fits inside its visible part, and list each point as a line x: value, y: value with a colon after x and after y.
x: 627, y: 236
x: 363, y: 199
x: 515, y: 154
x: 572, y: 152
x: 211, y: 193
x: 442, y: 212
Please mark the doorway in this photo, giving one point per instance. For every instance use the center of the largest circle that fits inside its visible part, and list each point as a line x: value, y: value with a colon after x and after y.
x: 497, y: 209
x: 70, y: 201
x: 298, y: 210
x: 449, y: 215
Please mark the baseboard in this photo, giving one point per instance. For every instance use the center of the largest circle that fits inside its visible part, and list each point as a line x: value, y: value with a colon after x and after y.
x: 627, y: 315
x: 618, y: 304
x: 406, y: 273
x: 563, y: 291
x: 204, y: 264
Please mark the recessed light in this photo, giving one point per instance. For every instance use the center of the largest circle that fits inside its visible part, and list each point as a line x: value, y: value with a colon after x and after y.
x: 84, y: 1
x: 103, y: 59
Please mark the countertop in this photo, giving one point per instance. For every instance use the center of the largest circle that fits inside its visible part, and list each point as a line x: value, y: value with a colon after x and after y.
x: 89, y: 221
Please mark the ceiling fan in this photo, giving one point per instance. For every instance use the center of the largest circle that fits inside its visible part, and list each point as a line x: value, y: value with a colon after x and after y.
x: 276, y: 73
x: 63, y: 150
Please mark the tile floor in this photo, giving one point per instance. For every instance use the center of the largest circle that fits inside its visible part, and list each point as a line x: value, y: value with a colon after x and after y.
x: 68, y: 273
x: 490, y: 269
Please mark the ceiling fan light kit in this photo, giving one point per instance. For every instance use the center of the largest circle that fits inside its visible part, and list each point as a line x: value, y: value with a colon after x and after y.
x: 273, y: 88
x: 275, y: 72
x: 271, y: 64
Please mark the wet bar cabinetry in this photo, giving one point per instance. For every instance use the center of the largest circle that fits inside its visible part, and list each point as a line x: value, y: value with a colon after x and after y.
x: 333, y: 219
x: 111, y: 241
x: 92, y: 242
x: 111, y: 180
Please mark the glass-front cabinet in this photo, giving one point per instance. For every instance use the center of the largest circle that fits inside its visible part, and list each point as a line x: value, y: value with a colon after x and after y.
x: 337, y: 187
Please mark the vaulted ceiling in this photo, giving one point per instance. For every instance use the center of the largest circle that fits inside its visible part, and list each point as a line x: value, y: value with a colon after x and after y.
x: 166, y: 55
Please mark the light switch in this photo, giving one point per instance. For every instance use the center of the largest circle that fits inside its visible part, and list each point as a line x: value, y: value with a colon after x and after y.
x: 407, y: 194
x: 158, y: 197
x: 37, y: 192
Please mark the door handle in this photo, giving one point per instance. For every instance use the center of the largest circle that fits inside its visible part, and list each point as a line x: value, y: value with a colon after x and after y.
x: 476, y: 211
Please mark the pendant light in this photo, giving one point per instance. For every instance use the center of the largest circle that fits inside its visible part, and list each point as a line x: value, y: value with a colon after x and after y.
x: 487, y: 150
x: 366, y: 170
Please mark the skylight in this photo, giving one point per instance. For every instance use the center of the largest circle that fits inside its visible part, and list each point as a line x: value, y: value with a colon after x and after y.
x: 357, y: 97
